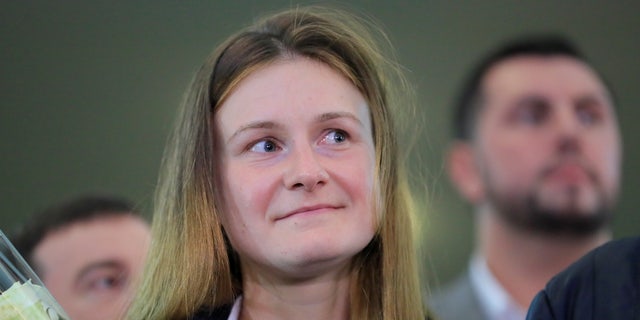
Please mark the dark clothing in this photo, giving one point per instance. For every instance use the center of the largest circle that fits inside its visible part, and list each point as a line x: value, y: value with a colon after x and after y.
x: 220, y: 313
x: 604, y: 284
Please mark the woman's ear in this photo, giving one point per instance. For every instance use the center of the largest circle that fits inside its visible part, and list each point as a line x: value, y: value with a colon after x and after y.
x: 464, y: 172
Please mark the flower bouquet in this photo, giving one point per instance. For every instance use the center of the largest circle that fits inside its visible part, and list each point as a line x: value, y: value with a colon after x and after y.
x: 22, y: 294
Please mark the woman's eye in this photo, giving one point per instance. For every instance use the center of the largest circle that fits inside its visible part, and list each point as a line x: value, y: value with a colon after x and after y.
x: 335, y: 137
x: 264, y: 146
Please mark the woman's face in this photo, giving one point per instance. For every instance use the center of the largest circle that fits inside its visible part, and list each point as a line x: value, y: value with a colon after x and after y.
x: 297, y: 169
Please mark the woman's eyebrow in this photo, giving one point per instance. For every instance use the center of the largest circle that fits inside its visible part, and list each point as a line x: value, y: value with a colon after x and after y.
x: 335, y: 115
x: 254, y: 125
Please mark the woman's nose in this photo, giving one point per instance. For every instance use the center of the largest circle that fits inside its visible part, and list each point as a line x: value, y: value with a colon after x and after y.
x: 305, y: 170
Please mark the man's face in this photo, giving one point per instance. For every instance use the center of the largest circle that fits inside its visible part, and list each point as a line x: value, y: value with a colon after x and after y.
x: 89, y: 267
x: 547, y: 145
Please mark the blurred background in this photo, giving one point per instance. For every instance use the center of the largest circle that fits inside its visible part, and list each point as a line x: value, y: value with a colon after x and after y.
x: 89, y: 90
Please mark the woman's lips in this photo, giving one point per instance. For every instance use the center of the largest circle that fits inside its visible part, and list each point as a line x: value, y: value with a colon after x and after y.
x: 315, y: 209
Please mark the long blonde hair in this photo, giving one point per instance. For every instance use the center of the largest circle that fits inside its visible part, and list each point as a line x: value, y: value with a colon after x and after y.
x: 191, y: 265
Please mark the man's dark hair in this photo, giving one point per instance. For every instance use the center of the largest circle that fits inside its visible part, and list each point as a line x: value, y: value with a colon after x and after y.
x: 80, y: 209
x: 469, y: 102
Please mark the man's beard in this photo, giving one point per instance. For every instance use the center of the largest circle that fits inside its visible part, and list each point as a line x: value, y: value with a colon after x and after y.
x: 528, y: 212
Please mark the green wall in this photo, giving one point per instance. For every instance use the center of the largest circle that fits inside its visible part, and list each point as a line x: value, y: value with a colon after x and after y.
x: 88, y: 91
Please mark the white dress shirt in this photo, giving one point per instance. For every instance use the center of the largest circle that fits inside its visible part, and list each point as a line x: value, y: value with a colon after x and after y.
x: 496, y: 302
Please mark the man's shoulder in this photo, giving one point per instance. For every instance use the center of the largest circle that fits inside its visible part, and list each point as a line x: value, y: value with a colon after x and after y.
x: 615, y: 260
x: 622, y: 250
x: 605, y: 283
x: 459, y: 288
x: 456, y: 300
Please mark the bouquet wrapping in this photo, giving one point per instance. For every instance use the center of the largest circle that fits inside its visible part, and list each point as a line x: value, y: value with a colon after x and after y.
x: 22, y: 294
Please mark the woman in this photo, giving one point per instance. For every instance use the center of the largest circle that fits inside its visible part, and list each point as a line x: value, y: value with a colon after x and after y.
x: 281, y: 195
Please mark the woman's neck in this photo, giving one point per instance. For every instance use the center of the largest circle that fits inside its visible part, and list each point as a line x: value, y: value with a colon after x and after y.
x: 322, y: 297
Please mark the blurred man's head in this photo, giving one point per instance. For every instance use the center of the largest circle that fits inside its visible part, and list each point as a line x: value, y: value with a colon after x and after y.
x: 538, y: 139
x: 87, y: 252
